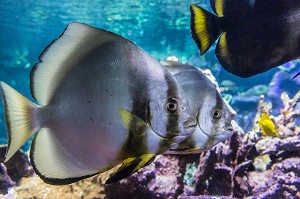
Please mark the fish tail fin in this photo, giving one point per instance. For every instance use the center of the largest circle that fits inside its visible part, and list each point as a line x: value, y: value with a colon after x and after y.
x: 20, y: 118
x: 205, y: 27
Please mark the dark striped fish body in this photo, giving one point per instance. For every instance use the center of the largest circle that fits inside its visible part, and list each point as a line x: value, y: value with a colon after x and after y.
x: 103, y: 101
x: 256, y: 35
x: 213, y: 115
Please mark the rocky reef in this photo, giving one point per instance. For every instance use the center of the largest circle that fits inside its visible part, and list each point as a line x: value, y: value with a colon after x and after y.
x: 248, y: 165
x: 14, y: 170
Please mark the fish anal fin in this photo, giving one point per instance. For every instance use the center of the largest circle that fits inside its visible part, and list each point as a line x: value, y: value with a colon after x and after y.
x: 223, y: 54
x: 52, y: 162
x: 222, y: 48
x: 130, y: 166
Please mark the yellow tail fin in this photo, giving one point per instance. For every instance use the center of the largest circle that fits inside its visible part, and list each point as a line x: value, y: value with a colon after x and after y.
x: 20, y: 118
x: 205, y: 28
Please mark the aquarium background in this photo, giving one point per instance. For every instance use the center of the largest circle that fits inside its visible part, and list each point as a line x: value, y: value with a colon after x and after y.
x: 248, y: 164
x: 161, y: 27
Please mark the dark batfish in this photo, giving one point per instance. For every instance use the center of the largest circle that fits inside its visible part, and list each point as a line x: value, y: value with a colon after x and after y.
x: 212, y: 113
x: 256, y: 35
x: 102, y: 101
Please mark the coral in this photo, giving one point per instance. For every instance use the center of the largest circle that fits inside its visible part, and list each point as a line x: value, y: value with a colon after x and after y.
x: 231, y: 168
x: 280, y: 181
x: 282, y: 82
x: 13, y: 170
x: 248, y: 165
x: 34, y: 187
x: 5, y: 180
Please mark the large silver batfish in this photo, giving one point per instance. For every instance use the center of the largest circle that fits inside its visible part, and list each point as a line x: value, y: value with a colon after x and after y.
x: 102, y: 101
x: 214, y: 118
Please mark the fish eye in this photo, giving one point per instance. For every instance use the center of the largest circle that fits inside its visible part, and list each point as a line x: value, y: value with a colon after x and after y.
x: 217, y: 114
x: 171, y: 105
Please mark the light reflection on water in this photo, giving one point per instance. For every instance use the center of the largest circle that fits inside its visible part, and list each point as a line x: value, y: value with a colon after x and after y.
x: 153, y: 25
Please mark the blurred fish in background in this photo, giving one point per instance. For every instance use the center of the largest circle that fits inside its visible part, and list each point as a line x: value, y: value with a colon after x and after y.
x: 282, y: 81
x: 255, y: 35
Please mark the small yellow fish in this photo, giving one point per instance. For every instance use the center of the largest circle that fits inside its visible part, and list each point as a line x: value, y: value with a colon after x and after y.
x: 267, y: 126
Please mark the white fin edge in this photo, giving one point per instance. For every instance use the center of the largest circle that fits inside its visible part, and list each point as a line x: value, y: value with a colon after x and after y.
x: 20, y: 118
x: 53, y: 163
x: 60, y: 57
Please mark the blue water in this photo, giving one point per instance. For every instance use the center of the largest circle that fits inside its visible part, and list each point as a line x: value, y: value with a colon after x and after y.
x: 161, y: 27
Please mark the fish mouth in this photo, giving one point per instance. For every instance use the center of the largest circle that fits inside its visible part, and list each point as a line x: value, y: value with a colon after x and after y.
x: 218, y: 136
x: 190, y: 123
x: 228, y: 128
x: 187, y: 129
x: 224, y: 135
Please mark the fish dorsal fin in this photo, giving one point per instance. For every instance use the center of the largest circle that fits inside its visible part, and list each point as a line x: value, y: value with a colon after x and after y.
x: 264, y: 118
x: 186, y: 75
x: 233, y: 8
x: 218, y: 7
x: 61, y: 56
x: 177, y: 67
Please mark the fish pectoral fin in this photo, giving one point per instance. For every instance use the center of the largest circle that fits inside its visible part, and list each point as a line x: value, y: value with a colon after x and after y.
x: 132, y: 122
x: 130, y: 166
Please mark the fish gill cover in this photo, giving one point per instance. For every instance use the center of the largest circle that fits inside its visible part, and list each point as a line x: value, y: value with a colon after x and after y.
x: 162, y: 28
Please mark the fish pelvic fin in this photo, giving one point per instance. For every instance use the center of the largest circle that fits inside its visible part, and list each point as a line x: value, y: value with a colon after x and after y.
x: 130, y: 166
x: 20, y: 117
x: 205, y: 27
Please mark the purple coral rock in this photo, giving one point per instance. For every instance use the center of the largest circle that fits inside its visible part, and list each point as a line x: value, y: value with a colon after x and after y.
x: 281, y: 181
x: 157, y: 180
x: 5, y: 181
x: 18, y: 166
